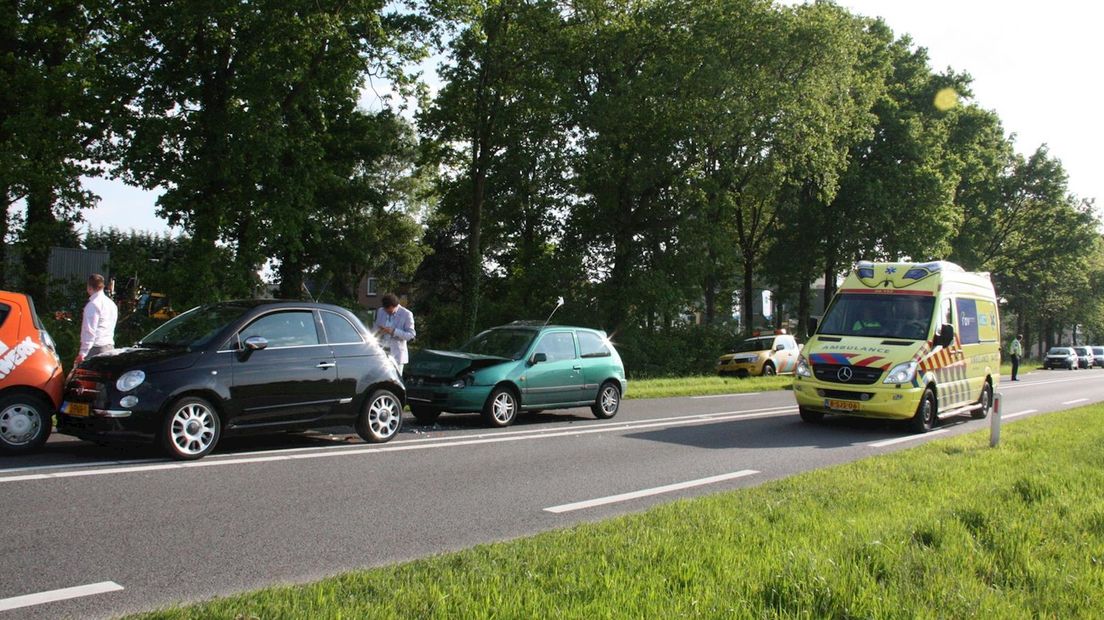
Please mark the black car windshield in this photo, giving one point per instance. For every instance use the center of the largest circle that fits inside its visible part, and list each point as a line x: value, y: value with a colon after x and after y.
x: 505, y: 343
x: 195, y: 328
x: 753, y: 344
x: 907, y: 317
x: 1059, y: 351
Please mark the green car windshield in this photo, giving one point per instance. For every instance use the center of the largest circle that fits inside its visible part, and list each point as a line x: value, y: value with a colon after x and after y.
x: 505, y: 343
x: 906, y: 317
x: 193, y: 329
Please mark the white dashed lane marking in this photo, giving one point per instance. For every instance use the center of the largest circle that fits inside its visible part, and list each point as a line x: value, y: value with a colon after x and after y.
x: 29, y: 600
x: 624, y: 497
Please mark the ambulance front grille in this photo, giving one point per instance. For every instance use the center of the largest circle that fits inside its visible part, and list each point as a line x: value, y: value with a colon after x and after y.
x: 860, y: 375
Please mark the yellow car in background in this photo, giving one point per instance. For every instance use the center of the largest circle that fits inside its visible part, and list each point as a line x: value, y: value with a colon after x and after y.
x: 761, y: 356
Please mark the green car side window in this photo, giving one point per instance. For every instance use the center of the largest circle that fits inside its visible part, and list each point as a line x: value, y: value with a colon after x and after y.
x: 557, y: 346
x: 592, y: 345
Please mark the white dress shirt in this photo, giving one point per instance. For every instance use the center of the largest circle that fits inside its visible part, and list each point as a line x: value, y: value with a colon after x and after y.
x: 403, y: 324
x: 98, y: 326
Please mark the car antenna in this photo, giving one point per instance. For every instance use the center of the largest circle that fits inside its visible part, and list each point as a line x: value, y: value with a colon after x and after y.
x: 559, y: 302
x: 306, y: 290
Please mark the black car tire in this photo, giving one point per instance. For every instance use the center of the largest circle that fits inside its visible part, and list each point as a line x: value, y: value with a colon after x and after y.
x: 381, y: 418
x: 925, y: 416
x: 191, y: 429
x: 810, y: 416
x: 425, y: 415
x: 501, y: 408
x: 608, y: 402
x: 986, y: 402
x: 768, y: 370
x: 25, y: 423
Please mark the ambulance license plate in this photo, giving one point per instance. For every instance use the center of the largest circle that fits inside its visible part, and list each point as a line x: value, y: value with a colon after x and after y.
x: 841, y: 405
x: 77, y: 410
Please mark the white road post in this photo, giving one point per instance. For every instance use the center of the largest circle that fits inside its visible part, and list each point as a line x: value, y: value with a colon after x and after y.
x: 995, y: 421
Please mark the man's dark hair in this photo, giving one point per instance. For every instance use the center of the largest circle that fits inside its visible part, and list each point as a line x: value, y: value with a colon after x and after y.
x: 96, y: 281
x: 390, y: 301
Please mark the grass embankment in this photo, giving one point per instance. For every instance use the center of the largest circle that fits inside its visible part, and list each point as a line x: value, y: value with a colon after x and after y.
x: 951, y: 529
x: 704, y: 385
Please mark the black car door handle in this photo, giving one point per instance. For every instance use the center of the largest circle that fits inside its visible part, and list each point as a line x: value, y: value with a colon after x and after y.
x: 324, y: 365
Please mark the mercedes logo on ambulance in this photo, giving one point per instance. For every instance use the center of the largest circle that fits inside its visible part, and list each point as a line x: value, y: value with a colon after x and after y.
x: 845, y: 374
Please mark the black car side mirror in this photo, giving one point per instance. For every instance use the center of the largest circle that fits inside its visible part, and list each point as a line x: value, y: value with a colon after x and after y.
x: 251, y: 344
x: 255, y: 343
x: 538, y: 358
x: 946, y: 335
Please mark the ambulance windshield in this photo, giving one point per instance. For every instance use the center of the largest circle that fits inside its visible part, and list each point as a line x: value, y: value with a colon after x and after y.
x: 907, y: 317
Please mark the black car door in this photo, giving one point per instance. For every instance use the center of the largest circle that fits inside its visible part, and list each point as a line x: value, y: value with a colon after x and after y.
x: 292, y: 379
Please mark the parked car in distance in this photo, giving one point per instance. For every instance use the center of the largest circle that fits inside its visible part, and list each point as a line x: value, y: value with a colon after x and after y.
x: 30, y: 376
x: 1061, y: 357
x: 1098, y: 356
x: 237, y: 367
x: 523, y: 366
x: 1084, y: 357
x: 761, y: 356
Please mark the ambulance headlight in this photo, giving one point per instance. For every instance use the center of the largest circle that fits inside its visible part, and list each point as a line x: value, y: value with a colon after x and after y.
x: 803, y: 368
x: 901, y: 373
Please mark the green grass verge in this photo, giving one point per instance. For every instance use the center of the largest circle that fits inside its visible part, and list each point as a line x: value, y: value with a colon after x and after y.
x: 951, y: 529
x: 704, y: 385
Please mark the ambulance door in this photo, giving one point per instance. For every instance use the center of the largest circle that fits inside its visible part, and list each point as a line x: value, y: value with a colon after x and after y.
x: 948, y: 363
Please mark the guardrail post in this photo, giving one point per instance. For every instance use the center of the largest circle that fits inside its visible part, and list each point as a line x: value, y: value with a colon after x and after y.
x: 995, y: 421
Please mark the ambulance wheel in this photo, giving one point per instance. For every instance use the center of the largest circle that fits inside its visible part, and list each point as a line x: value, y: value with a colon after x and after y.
x: 986, y: 402
x: 924, y: 419
x: 768, y: 370
x: 810, y: 416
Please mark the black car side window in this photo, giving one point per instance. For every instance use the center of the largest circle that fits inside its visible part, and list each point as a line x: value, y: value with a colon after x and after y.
x: 5, y: 309
x: 557, y: 346
x: 284, y: 329
x: 339, y: 330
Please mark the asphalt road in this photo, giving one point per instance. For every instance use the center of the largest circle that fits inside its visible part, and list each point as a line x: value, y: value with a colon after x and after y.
x: 138, y: 532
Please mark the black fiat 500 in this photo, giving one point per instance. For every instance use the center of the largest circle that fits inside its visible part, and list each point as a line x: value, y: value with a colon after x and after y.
x: 237, y: 367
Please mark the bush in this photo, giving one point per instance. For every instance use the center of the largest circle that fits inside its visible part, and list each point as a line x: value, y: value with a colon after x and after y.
x: 672, y: 352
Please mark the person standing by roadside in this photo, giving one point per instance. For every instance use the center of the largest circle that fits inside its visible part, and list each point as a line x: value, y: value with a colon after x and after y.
x: 394, y: 326
x: 98, y: 325
x: 1016, y: 351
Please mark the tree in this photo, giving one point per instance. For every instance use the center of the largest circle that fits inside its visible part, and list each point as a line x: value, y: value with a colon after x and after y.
x: 53, y: 100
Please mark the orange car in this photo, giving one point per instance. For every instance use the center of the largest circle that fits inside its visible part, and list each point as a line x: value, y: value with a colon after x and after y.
x: 31, y: 380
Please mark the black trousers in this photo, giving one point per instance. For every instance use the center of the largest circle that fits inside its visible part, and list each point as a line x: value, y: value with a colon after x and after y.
x: 1015, y: 366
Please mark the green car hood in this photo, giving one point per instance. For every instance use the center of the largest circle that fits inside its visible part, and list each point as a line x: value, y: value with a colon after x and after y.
x: 448, y: 364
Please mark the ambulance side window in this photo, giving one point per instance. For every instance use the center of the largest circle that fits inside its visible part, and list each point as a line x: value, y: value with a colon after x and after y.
x: 948, y: 315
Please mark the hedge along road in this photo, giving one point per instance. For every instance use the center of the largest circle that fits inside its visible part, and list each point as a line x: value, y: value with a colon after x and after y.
x: 142, y: 535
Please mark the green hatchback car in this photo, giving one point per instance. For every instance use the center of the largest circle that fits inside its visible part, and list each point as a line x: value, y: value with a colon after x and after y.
x: 518, y: 367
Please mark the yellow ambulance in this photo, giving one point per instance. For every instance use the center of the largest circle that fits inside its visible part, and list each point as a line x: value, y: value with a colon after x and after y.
x: 908, y: 341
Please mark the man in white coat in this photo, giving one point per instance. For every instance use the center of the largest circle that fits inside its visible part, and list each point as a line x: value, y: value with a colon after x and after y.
x: 394, y: 326
x: 98, y: 321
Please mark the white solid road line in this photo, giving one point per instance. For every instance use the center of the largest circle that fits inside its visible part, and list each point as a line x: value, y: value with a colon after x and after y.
x: 723, y: 395
x: 624, y: 497
x: 890, y: 442
x: 1074, y: 402
x: 1009, y: 416
x: 414, y: 445
x: 27, y: 600
x: 1021, y: 384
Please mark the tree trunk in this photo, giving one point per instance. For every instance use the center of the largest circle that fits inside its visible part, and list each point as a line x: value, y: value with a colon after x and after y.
x: 39, y: 233
x: 830, y: 262
x: 803, y: 302
x: 747, y: 301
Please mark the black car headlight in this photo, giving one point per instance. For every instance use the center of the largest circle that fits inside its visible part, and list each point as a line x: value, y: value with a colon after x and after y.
x: 130, y: 380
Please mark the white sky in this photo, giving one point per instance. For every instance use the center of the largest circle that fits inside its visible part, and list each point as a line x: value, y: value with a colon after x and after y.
x: 1032, y: 62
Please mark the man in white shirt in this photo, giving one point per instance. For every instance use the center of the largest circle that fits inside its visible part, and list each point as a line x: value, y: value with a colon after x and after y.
x: 394, y: 326
x: 98, y: 326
